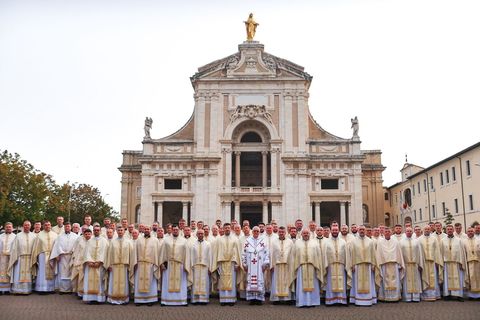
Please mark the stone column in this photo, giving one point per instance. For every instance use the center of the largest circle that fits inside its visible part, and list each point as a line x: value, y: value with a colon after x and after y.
x: 237, y: 168
x: 237, y: 212
x: 275, y: 214
x: 228, y: 168
x: 185, y: 211
x: 147, y: 210
x: 273, y: 168
x: 318, y: 213
x: 343, y: 218
x: 160, y: 212
x: 265, y: 212
x: 264, y: 168
x: 226, y: 212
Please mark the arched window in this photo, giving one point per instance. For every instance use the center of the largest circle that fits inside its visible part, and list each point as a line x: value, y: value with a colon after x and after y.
x: 137, y: 214
x: 408, y: 197
x: 251, y: 137
x: 365, y: 213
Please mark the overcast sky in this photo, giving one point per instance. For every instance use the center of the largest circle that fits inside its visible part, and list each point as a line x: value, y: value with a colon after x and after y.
x: 77, y: 78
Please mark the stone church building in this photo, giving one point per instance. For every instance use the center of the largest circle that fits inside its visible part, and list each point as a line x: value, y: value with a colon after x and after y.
x: 252, y: 150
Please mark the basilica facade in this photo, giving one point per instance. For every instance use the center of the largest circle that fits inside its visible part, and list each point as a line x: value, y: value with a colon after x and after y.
x: 252, y: 150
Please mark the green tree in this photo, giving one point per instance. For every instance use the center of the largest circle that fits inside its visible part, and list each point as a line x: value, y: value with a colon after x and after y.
x: 86, y: 199
x: 448, y: 217
x: 27, y: 193
x: 23, y: 189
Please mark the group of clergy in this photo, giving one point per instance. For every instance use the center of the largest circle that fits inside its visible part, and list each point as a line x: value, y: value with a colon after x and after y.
x: 190, y: 263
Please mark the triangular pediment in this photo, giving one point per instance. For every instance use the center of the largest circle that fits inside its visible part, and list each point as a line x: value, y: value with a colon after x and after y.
x: 251, y: 62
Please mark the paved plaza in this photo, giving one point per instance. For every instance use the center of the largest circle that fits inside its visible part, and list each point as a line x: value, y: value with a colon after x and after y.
x: 68, y: 307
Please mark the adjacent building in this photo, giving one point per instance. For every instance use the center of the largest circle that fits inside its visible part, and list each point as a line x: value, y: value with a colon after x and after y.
x: 451, y: 185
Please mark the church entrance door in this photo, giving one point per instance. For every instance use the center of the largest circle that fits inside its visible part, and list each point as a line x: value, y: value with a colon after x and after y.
x: 251, y: 211
x: 172, y: 212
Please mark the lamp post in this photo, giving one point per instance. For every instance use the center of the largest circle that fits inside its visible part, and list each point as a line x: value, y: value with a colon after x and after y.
x: 72, y: 186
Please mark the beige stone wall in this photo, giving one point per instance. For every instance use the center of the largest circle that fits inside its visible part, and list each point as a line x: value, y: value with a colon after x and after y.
x: 372, y: 187
x: 131, y: 184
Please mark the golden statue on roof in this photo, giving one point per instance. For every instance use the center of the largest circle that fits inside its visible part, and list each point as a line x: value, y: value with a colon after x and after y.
x: 251, y: 27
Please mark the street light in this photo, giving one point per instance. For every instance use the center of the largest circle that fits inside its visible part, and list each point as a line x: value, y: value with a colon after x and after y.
x: 72, y: 186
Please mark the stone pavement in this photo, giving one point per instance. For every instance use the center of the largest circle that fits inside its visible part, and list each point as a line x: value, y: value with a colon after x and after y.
x: 67, y: 307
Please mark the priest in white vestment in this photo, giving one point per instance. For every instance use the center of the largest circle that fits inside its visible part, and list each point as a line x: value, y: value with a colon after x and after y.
x: 94, y: 281
x: 433, y: 265
x: 19, y: 265
x: 281, y: 267
x: 412, y: 286
x: 255, y: 260
x: 472, y: 249
x: 61, y: 258
x: 60, y: 227
x: 119, y: 263
x: 454, y: 265
x: 174, y: 275
x: 392, y: 267
x: 41, y: 269
x: 6, y: 242
x: 77, y: 261
x: 309, y: 271
x: 146, y: 268
x: 337, y: 262
x: 365, y: 272
x: 161, y: 236
x: 270, y: 237
x: 199, y: 263
x: 226, y: 263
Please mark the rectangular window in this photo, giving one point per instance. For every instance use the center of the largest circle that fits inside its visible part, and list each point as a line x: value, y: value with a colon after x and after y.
x: 467, y: 167
x: 444, y: 211
x: 173, y: 184
x: 386, y: 195
x: 433, y: 211
x: 454, y: 174
x: 431, y: 183
x: 424, y: 185
x: 396, y: 198
x: 470, y: 201
x: 420, y: 213
x: 415, y: 215
x: 418, y: 187
x: 447, y: 176
x: 413, y: 189
x: 456, y: 205
x: 441, y: 178
x: 330, y: 184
